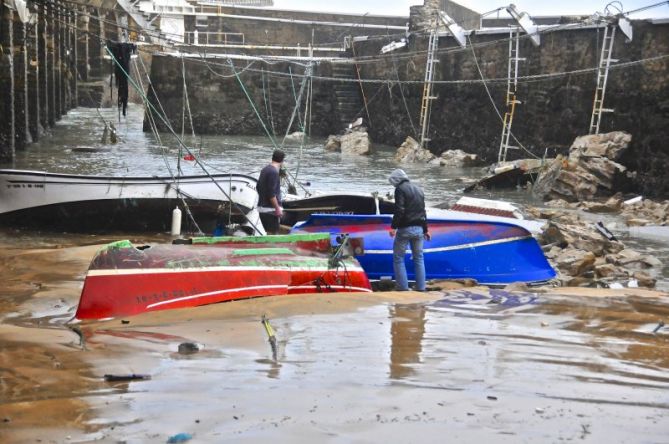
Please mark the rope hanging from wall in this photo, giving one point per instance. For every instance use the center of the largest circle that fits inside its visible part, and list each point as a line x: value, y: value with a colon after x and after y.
x: 121, y: 52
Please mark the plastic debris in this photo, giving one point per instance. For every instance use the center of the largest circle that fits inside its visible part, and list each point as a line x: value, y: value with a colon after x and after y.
x: 179, y: 437
x: 130, y: 377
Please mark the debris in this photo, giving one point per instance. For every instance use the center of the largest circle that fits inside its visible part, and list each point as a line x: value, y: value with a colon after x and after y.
x: 179, y: 437
x: 589, y: 170
x: 492, y: 398
x: 605, y: 232
x: 270, y: 335
x: 457, y: 159
x: 539, y: 410
x: 659, y: 326
x: 633, y: 200
x: 130, y: 377
x: 188, y: 348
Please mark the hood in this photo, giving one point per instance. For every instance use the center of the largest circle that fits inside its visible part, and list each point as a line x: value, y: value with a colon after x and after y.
x: 397, y: 177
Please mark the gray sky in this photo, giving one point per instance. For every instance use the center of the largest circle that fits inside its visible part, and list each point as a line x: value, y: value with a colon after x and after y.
x: 536, y: 7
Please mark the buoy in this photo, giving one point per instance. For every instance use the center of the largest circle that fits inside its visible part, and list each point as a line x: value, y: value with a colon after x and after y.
x: 176, y: 222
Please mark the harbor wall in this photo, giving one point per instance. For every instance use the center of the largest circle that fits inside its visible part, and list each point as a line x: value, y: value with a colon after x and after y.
x: 556, y: 88
x: 51, y: 60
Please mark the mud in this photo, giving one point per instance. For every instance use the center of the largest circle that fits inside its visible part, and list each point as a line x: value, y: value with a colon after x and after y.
x: 549, y: 365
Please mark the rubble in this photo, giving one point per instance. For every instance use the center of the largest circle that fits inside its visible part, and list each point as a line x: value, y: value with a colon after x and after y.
x: 457, y: 159
x: 590, y: 169
x: 583, y: 256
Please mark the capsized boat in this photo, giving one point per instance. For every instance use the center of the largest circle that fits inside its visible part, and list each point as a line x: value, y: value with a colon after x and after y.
x: 125, y: 280
x: 491, y: 251
x: 298, y: 208
x: 79, y: 203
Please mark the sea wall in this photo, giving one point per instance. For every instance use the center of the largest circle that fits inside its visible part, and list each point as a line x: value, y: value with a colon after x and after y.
x: 556, y: 90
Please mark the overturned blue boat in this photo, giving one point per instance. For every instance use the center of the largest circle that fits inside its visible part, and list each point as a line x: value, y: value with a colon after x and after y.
x: 492, y: 252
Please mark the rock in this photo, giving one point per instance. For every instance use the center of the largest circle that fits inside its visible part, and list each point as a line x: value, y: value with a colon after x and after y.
x: 333, y: 144
x: 295, y: 137
x: 589, y: 170
x: 606, y: 270
x: 575, y: 262
x: 517, y: 286
x: 644, y: 279
x: 610, y: 145
x: 458, y: 159
x: 632, y: 260
x: 356, y: 142
x: 411, y: 151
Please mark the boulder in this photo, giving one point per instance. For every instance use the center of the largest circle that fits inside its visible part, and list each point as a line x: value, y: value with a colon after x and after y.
x: 355, y: 141
x: 411, y: 151
x: 644, y: 279
x: 610, y: 145
x: 575, y: 262
x: 590, y: 169
x: 457, y: 159
x: 333, y: 144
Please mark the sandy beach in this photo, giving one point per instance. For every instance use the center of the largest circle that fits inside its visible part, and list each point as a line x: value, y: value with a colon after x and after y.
x: 544, y: 365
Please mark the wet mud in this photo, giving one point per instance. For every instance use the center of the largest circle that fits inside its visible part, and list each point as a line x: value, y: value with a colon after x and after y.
x: 461, y: 363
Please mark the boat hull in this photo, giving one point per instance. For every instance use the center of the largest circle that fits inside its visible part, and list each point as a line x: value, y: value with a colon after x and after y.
x: 297, y: 209
x: 493, y: 253
x: 124, y: 280
x: 49, y: 201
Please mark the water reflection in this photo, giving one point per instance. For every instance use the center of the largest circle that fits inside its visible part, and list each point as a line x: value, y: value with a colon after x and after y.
x: 406, y: 333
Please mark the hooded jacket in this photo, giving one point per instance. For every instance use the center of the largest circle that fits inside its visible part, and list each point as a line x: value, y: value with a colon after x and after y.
x: 409, y: 202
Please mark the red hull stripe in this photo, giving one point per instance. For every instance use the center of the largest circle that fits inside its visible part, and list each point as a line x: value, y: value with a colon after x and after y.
x: 137, y: 271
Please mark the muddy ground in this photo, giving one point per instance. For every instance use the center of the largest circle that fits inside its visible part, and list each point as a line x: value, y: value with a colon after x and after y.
x: 545, y: 365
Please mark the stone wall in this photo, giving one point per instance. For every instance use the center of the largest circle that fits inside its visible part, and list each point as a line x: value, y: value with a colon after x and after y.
x: 554, y: 110
x: 219, y: 104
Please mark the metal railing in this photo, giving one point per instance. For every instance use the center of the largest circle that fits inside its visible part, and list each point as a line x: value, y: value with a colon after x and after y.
x: 214, y: 38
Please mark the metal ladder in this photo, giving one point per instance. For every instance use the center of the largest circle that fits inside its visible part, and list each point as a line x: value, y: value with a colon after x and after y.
x: 605, y: 61
x: 426, y: 102
x: 511, y: 87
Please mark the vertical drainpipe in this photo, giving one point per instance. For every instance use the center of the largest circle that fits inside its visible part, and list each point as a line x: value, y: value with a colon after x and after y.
x: 44, y: 72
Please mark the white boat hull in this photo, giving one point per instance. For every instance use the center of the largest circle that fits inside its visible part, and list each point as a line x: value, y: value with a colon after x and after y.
x: 95, y: 203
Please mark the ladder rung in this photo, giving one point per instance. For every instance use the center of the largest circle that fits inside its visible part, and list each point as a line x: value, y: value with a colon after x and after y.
x: 606, y: 110
x: 614, y: 60
x: 433, y: 97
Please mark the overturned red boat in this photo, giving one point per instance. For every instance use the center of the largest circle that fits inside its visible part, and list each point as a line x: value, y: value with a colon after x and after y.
x: 125, y: 280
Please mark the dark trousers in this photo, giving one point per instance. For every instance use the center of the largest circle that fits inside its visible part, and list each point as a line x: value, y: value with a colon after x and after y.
x: 271, y: 222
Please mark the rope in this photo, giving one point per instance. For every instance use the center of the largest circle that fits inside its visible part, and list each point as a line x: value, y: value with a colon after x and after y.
x: 492, y: 101
x: 176, y: 136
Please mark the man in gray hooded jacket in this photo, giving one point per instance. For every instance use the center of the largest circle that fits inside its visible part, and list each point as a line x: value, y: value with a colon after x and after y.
x: 409, y: 226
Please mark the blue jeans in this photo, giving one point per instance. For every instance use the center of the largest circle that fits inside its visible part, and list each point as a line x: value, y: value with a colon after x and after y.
x: 404, y: 236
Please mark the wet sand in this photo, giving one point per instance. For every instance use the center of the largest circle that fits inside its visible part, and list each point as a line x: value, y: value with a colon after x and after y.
x: 545, y: 365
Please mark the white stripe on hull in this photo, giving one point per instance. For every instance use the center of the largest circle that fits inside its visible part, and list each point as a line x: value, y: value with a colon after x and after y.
x: 456, y: 247
x: 218, y: 292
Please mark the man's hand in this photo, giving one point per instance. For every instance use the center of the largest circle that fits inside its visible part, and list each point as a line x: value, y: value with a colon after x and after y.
x: 278, y: 211
x: 392, y: 233
x: 427, y: 236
